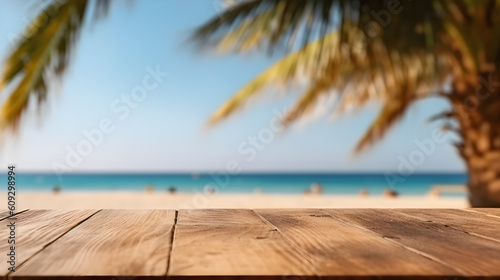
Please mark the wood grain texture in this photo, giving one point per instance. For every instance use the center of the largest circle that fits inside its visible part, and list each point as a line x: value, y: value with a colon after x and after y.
x: 35, y: 229
x: 489, y: 211
x: 217, y: 217
x: 285, y: 244
x: 339, y: 249
x: 471, y: 222
x: 468, y: 254
x: 4, y: 214
x: 221, y: 243
x: 121, y: 243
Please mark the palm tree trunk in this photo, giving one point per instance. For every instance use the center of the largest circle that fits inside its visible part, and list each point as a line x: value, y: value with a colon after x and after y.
x: 477, y: 110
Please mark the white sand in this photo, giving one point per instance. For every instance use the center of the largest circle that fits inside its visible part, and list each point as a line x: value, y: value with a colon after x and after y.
x: 158, y: 200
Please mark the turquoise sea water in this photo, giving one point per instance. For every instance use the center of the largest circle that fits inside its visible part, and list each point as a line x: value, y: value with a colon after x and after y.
x: 375, y: 183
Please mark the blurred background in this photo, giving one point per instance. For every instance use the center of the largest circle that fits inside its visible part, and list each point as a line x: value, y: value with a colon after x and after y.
x: 143, y: 105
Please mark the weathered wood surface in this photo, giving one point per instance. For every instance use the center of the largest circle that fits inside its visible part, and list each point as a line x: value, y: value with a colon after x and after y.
x: 4, y: 214
x: 490, y: 211
x: 280, y: 244
x: 37, y: 229
x: 337, y: 248
x: 468, y: 221
x: 232, y: 242
x: 110, y: 243
x: 469, y: 254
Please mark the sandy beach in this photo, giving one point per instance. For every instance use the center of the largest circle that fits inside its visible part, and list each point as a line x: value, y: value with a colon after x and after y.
x: 162, y: 200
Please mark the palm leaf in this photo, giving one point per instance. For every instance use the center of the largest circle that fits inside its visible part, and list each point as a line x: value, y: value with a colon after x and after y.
x: 265, y: 21
x: 425, y: 44
x: 287, y: 70
x: 397, y: 82
x: 44, y: 53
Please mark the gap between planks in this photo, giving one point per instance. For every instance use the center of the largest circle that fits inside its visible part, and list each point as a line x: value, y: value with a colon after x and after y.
x: 463, y: 251
x: 172, y: 237
x: 460, y: 226
x: 405, y: 247
x: 287, y: 222
x: 8, y: 275
x: 233, y: 240
x: 481, y: 211
x: 285, y: 237
x: 5, y: 214
x: 304, y: 253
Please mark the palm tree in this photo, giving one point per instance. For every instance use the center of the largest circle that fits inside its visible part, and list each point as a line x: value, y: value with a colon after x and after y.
x: 396, y: 52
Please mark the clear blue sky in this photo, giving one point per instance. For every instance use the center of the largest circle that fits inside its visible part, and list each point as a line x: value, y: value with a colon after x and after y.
x: 166, y: 131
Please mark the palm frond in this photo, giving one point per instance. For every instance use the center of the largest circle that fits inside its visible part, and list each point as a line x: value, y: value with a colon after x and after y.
x: 348, y: 52
x: 302, y: 64
x: 387, y: 76
x: 45, y: 52
x: 275, y: 22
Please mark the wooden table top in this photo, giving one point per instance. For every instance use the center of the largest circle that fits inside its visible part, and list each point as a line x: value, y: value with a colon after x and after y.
x: 255, y: 244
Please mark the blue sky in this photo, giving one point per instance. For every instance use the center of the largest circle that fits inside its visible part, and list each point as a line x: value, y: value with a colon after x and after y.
x: 166, y: 131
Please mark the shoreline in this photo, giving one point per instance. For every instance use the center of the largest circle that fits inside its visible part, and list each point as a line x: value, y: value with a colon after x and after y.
x: 164, y: 200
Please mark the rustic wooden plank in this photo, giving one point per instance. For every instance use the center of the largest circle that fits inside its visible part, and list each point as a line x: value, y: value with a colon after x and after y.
x: 471, y: 222
x: 489, y: 211
x: 224, y: 243
x: 339, y: 249
x: 120, y: 243
x: 469, y: 254
x: 35, y: 229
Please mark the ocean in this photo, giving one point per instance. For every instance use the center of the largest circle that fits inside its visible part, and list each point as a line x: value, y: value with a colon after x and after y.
x: 276, y: 183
